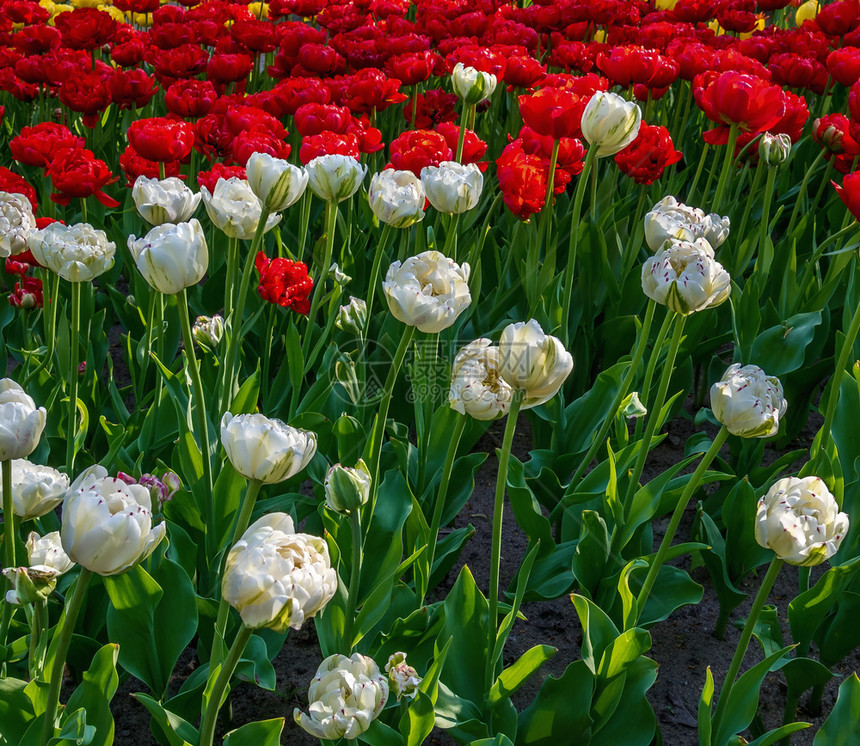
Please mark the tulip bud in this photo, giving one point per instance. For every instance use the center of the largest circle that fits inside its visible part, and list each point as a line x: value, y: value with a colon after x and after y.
x: 21, y: 423
x: 277, y: 183
x: 264, y: 449
x: 335, y: 177
x: 346, y: 488
x: 477, y: 388
x: 352, y: 317
x: 345, y: 697
x: 800, y: 521
x: 472, y: 85
x: 632, y: 407
x: 208, y: 331
x: 533, y: 361
x: 171, y: 257
x: 672, y: 220
x: 452, y: 187
x: 47, y: 552
x: 276, y: 578
x: 428, y: 291
x: 685, y: 277
x: 161, y: 201
x: 16, y: 222
x: 609, y: 123
x: 338, y: 275
x: 234, y: 208
x: 107, y: 524
x: 748, y: 402
x: 403, y: 678
x: 774, y: 149
x: 36, y: 490
x: 29, y: 584
x: 397, y: 198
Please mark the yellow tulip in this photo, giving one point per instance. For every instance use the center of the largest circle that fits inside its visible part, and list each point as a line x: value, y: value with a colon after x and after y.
x: 806, y: 12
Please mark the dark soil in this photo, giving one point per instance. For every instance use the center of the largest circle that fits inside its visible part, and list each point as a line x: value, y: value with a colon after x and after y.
x: 683, y: 645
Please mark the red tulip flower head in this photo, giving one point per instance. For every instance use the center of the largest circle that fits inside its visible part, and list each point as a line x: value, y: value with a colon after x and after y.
x: 77, y: 173
x: 37, y: 145
x: 160, y: 139
x: 553, y: 112
x: 285, y: 283
x: 751, y: 103
x: 645, y: 159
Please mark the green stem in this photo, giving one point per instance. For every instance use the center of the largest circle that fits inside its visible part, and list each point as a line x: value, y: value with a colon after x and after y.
x: 375, y: 445
x: 763, y: 592
x: 544, y: 234
x: 765, y: 253
x: 427, y: 360
x: 232, y: 267
x: 496, y: 547
x: 74, y: 356
x: 225, y: 673
x: 319, y: 285
x: 691, y: 192
x: 236, y: 317
x: 727, y: 169
x: 441, y: 496
x: 819, y: 445
x: 9, y: 535
x: 645, y: 393
x: 52, y: 283
x: 756, y: 183
x: 468, y: 114
x: 574, y: 244
x: 202, y: 421
x: 354, y: 580
x: 381, y: 247
x: 73, y: 607
x: 450, y: 249
x: 802, y: 192
x: 675, y: 521
x: 653, y: 420
x: 37, y: 629
x: 242, y: 521
x: 305, y: 219
x: 632, y: 370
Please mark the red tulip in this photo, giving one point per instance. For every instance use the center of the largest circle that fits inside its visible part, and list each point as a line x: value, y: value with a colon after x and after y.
x: 416, y: 149
x: 37, y: 145
x: 77, y: 173
x: 14, y: 184
x: 190, y: 99
x: 161, y: 139
x: 553, y: 112
x: 645, y: 159
x: 285, y: 283
x: 753, y: 104
x: 849, y: 193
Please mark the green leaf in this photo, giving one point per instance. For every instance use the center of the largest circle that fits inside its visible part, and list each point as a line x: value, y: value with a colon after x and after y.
x: 771, y: 737
x: 598, y: 631
x: 782, y: 348
x: 622, y: 652
x: 152, y: 623
x: 95, y: 693
x: 16, y: 710
x: 418, y: 720
x: 808, y: 610
x: 743, y: 698
x: 842, y: 726
x: 177, y: 731
x: 513, y: 677
x: 75, y: 731
x: 706, y: 703
x: 592, y: 552
x: 561, y: 708
x: 261, y: 733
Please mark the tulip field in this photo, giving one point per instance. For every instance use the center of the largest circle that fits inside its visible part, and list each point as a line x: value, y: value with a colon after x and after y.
x: 372, y: 339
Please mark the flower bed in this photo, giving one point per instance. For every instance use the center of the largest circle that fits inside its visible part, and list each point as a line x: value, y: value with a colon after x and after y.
x: 350, y: 336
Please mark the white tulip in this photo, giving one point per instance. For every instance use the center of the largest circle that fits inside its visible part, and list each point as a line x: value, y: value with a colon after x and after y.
x: 161, y: 201
x: 335, y: 177
x: 673, y: 220
x: 477, y: 388
x: 107, y: 525
x: 403, y: 678
x: 265, y: 449
x: 685, y: 277
x: 347, y: 487
x: 47, y: 553
x: 800, y: 521
x: 36, y: 490
x: 453, y: 187
x: 344, y: 698
x: 171, y: 257
x: 428, y: 291
x: 472, y: 85
x: 276, y: 578
x: 208, y: 331
x: 533, y: 361
x: 16, y: 223
x: 353, y: 316
x: 397, y: 198
x: 21, y: 422
x: 234, y: 208
x: 277, y: 183
x: 748, y: 402
x: 609, y: 123
x: 77, y: 253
